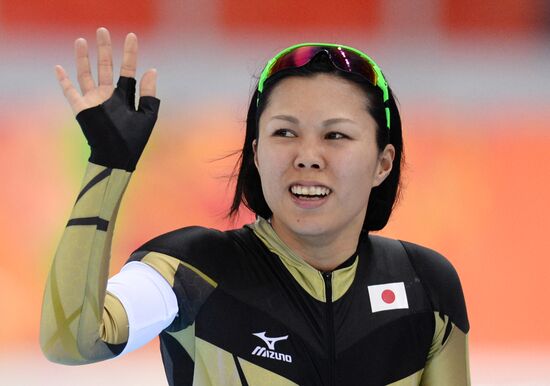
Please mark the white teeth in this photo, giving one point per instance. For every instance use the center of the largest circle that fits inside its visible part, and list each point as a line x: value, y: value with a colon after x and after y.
x: 310, y: 190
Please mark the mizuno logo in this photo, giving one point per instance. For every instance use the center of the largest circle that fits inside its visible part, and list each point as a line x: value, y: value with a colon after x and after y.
x: 270, y: 352
x: 269, y: 341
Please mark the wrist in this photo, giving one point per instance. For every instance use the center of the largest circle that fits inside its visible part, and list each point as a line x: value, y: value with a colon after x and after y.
x: 107, y: 146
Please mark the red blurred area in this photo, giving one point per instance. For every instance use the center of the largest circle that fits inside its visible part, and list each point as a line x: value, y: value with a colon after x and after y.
x: 86, y: 15
x: 283, y: 16
x: 273, y: 16
x: 511, y: 17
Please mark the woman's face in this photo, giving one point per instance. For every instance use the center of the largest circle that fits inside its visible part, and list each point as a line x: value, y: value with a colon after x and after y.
x: 317, y: 156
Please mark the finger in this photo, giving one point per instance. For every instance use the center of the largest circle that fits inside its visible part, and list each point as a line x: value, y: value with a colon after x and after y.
x: 148, y: 83
x: 129, y: 57
x: 84, y: 74
x: 70, y: 92
x: 104, y: 57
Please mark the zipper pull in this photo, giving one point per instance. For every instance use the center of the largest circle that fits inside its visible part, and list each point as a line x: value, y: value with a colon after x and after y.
x: 327, y: 276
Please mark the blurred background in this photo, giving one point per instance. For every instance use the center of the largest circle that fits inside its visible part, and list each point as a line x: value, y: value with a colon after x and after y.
x: 473, y: 81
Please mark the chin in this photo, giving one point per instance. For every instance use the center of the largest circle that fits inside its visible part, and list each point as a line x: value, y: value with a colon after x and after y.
x: 311, y: 226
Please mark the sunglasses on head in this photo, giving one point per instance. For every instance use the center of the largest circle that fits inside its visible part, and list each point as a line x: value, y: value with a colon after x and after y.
x: 344, y: 58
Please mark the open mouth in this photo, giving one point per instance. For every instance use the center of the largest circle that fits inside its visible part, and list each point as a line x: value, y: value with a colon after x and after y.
x: 309, y: 192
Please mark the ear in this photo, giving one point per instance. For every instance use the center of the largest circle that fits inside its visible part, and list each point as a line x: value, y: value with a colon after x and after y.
x: 385, y: 164
x: 255, y: 151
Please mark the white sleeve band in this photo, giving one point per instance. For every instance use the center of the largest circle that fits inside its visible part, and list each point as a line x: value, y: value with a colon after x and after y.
x: 149, y: 301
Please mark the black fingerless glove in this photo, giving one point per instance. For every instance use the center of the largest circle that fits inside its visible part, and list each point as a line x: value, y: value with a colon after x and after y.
x: 116, y: 132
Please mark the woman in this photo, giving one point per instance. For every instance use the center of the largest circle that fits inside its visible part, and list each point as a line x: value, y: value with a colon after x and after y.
x: 302, y: 296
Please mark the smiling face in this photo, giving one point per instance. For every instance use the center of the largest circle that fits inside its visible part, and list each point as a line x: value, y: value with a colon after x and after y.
x: 317, y: 157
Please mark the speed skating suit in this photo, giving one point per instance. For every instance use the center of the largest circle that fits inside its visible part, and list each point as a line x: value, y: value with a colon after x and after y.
x: 248, y: 311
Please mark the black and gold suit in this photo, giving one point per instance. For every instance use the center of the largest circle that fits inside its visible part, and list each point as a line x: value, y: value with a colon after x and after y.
x: 238, y: 289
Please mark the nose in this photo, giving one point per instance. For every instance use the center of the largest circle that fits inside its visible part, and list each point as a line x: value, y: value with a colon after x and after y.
x: 309, y: 156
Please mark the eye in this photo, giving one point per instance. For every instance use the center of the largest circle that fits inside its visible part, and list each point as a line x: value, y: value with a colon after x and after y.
x: 336, y: 135
x: 284, y: 133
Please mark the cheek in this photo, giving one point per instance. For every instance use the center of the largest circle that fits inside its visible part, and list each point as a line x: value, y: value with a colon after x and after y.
x: 271, y: 165
x: 356, y: 172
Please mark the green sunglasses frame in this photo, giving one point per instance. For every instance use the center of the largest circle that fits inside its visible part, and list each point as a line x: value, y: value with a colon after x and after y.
x: 379, y: 82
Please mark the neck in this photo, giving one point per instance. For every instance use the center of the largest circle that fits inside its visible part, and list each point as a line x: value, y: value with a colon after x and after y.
x: 321, y: 251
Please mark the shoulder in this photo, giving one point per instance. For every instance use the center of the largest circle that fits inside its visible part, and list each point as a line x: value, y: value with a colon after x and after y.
x: 194, y: 261
x: 435, y: 272
x: 440, y: 280
x: 204, y: 248
x: 188, y: 240
x: 432, y: 266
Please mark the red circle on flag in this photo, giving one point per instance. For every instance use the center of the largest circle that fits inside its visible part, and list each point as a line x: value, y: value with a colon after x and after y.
x: 388, y: 296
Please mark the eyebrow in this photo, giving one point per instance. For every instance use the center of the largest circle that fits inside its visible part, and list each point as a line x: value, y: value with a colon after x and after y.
x: 328, y: 122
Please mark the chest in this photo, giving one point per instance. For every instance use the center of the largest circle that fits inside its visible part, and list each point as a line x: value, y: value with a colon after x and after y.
x: 270, y: 319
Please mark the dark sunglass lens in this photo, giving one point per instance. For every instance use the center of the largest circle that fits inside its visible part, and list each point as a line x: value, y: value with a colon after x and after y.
x: 349, y: 61
x: 295, y: 58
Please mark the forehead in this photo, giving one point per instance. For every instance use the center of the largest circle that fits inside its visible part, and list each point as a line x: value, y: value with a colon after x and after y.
x: 320, y: 95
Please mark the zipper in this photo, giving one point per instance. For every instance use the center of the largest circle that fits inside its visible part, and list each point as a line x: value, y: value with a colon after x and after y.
x: 327, y: 276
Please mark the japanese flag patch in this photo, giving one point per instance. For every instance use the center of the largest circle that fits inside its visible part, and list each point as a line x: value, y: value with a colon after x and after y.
x: 390, y: 296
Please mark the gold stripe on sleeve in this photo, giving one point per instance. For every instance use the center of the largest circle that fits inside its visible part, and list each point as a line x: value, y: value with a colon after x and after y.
x: 167, y: 266
x: 448, y: 362
x: 114, y: 327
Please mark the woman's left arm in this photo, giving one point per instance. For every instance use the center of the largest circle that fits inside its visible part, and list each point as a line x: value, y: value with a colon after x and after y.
x: 448, y: 362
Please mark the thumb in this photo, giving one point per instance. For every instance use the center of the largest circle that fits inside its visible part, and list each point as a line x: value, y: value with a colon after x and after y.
x: 148, y: 83
x: 149, y: 105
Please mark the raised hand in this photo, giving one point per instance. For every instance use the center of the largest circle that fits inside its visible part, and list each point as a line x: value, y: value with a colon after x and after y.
x: 116, y: 132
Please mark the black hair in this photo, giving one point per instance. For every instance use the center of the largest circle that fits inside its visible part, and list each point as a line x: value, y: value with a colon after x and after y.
x: 383, y: 198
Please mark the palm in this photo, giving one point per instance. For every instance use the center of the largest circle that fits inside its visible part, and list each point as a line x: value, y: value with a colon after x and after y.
x: 96, y: 96
x: 91, y: 94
